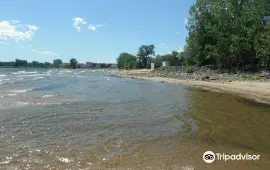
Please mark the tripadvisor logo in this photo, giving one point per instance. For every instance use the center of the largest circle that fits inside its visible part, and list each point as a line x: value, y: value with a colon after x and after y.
x: 210, y: 157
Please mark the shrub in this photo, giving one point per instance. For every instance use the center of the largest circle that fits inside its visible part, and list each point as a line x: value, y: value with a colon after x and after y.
x: 189, y: 69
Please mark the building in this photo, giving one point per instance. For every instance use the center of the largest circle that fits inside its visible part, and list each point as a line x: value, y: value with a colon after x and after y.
x: 113, y: 66
x: 165, y: 64
x: 81, y: 65
x: 90, y: 65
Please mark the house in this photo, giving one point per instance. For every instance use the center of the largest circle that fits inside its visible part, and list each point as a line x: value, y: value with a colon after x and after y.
x: 113, y: 66
x: 81, y: 65
x: 90, y: 65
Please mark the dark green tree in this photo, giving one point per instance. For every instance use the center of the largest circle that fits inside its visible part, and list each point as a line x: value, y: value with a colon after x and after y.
x: 35, y: 64
x: 126, y: 61
x: 73, y: 63
x: 20, y: 63
x: 145, y: 51
x: 57, y: 62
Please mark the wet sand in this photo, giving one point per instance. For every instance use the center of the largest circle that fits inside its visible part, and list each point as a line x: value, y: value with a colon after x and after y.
x: 253, y: 90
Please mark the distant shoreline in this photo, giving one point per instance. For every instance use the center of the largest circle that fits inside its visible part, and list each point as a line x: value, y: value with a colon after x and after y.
x: 251, y: 90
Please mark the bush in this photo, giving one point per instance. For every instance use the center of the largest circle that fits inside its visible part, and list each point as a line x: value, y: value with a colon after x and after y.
x: 189, y: 69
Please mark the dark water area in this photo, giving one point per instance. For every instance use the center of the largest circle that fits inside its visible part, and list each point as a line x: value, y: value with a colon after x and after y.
x: 86, y: 119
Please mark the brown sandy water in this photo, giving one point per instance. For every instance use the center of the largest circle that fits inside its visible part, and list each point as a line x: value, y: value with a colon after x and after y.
x: 89, y: 120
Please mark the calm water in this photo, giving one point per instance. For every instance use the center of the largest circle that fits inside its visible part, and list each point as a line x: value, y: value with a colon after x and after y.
x: 73, y: 119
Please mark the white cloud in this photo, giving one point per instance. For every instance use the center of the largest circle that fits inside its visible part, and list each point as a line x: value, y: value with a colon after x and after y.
x: 32, y: 27
x: 77, y: 22
x: 50, y: 53
x: 166, y: 47
x: 22, y: 47
x: 186, y: 21
x: 92, y: 27
x: 162, y: 44
x: 12, y: 30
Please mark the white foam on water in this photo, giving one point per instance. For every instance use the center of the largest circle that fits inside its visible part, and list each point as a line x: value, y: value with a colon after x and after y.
x: 13, y: 94
x: 6, y: 79
x: 5, y: 162
x: 63, y: 159
x: 22, y: 103
x: 2, y: 75
x: 33, y: 75
x: 37, y: 78
x: 20, y: 91
x: 0, y: 80
x: 19, y: 72
x: 34, y: 72
x: 47, y: 96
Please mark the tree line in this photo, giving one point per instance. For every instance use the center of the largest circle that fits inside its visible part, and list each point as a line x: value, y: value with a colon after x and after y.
x: 146, y: 56
x: 232, y: 34
x: 57, y: 63
x: 24, y: 63
x: 227, y: 34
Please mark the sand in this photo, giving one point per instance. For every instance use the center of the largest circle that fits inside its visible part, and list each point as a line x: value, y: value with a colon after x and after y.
x: 256, y: 91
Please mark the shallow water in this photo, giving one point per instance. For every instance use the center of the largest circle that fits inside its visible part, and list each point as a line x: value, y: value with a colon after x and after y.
x: 73, y: 119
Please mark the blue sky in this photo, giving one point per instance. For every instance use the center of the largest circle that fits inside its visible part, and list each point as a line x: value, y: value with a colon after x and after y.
x: 89, y: 30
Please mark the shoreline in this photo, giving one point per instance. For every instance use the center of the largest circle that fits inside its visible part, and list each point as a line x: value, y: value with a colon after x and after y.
x: 251, y: 90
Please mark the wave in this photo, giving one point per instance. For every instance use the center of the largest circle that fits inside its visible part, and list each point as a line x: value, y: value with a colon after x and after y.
x: 33, y: 75
x: 37, y: 78
x: 24, y: 72
x: 22, y: 103
x: 10, y: 95
x: 19, y: 72
x: 20, y: 91
x: 48, y: 96
x: 2, y: 75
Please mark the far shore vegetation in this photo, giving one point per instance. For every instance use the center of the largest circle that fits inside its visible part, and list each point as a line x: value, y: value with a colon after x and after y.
x: 57, y: 63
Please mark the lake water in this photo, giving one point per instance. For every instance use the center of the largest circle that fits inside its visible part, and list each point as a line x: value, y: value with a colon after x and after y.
x: 84, y: 119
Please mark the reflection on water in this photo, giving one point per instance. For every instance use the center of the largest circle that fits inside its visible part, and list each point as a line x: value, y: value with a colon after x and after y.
x: 90, y: 120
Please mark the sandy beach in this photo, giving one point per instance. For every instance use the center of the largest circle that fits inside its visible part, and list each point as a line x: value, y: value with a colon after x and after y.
x: 252, y: 90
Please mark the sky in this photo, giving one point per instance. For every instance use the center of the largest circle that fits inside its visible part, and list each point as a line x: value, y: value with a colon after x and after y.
x: 90, y: 30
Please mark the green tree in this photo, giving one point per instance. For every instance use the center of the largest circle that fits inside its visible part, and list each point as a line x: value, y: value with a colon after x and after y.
x: 48, y: 64
x: 145, y: 51
x: 73, y: 63
x: 227, y: 33
x: 35, y: 64
x: 57, y: 62
x: 126, y: 61
x: 20, y: 63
